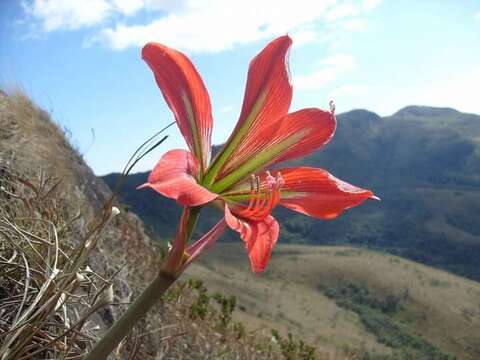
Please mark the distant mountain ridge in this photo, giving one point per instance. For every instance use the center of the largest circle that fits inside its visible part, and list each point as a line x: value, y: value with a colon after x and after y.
x: 420, y: 110
x: 423, y: 162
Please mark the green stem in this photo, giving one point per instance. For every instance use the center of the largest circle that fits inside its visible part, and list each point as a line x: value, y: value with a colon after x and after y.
x: 134, y: 313
x: 192, y: 221
x: 149, y: 297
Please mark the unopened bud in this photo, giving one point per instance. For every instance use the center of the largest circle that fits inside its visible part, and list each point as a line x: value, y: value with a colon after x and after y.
x: 115, y: 212
x: 80, y: 278
x: 105, y: 298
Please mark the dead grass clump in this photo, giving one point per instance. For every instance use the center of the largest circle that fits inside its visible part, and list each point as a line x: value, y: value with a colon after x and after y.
x: 38, y: 131
x: 46, y: 295
x: 30, y: 139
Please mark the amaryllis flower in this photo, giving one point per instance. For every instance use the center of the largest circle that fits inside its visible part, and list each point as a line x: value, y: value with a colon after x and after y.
x: 243, y: 179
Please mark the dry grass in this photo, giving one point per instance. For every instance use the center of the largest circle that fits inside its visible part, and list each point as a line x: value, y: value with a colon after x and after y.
x: 443, y: 308
x: 30, y: 140
x: 53, y: 305
x: 48, y: 217
x: 44, y: 138
x: 47, y: 295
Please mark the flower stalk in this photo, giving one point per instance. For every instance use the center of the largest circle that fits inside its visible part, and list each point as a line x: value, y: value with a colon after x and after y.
x: 122, y: 327
x: 167, y: 275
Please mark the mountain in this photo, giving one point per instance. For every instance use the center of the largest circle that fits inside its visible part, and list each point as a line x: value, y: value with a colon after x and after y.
x: 423, y: 162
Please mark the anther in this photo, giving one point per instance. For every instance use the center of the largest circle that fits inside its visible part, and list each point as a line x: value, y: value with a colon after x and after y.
x: 270, y: 180
x: 253, y: 193
x: 252, y: 182
x: 280, y: 180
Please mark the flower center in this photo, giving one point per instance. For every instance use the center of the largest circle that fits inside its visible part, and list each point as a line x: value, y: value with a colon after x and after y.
x: 264, y: 196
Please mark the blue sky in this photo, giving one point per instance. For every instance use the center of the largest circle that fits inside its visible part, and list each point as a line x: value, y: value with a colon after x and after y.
x: 80, y: 60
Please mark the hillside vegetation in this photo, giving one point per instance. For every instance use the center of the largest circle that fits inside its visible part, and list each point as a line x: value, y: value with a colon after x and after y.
x: 359, y: 300
x: 423, y: 162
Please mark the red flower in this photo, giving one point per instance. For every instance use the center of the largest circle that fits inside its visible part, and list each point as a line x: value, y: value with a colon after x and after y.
x: 237, y: 179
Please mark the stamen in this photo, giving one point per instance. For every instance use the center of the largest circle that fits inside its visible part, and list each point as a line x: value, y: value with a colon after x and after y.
x: 252, y: 193
x: 270, y: 180
x: 261, y: 203
x: 280, y: 180
x: 258, y: 212
x: 258, y: 193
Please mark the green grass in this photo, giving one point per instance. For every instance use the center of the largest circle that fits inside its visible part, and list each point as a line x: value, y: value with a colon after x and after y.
x: 375, y: 316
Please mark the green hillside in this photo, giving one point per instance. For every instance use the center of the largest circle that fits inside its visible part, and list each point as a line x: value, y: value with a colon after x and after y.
x: 374, y: 305
x: 423, y: 162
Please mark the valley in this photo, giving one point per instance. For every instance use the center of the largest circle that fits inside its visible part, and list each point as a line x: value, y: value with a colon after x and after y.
x: 353, y: 299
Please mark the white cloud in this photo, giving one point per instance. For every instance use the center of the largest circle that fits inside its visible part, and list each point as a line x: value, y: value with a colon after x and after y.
x: 198, y: 25
x: 356, y: 24
x: 328, y: 70
x: 210, y: 26
x: 459, y: 92
x: 370, y: 4
x: 68, y: 14
x: 129, y: 7
x: 348, y: 90
x: 351, y: 9
x: 54, y: 15
x: 342, y: 11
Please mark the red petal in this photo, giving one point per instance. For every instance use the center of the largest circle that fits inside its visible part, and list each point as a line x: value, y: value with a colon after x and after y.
x: 268, y: 74
x: 268, y: 92
x: 313, y: 127
x: 185, y: 94
x: 173, y: 177
x: 259, y: 237
x: 315, y: 192
x: 297, y: 134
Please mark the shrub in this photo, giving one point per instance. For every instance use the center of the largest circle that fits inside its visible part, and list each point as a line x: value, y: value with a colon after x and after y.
x: 227, y: 306
x: 293, y: 350
x: 376, y: 315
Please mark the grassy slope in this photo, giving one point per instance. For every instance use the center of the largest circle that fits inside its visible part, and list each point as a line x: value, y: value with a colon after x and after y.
x: 443, y: 308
